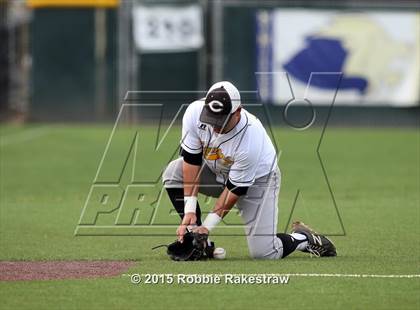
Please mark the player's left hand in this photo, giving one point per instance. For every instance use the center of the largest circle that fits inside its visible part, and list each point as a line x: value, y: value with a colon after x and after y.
x: 201, y: 230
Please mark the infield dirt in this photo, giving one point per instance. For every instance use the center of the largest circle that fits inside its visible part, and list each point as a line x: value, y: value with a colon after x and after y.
x: 53, y: 270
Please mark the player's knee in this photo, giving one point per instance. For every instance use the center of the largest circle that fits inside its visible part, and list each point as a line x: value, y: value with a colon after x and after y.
x: 259, y: 253
x: 259, y: 249
x: 167, y: 173
x: 170, y: 173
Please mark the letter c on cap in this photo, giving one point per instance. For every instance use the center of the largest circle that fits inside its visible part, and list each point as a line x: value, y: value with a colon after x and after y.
x: 216, y: 106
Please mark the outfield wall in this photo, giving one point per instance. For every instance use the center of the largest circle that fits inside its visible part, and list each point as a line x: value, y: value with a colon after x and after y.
x: 84, y: 60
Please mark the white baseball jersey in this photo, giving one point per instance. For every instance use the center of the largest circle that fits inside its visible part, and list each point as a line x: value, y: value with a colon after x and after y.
x: 243, y: 154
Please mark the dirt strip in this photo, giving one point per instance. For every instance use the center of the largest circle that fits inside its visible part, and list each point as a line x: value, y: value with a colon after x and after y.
x: 52, y: 270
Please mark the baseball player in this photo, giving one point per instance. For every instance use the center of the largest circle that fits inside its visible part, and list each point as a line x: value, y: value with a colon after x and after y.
x: 226, y: 153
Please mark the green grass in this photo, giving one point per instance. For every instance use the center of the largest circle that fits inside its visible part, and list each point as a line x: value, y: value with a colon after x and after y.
x: 46, y: 173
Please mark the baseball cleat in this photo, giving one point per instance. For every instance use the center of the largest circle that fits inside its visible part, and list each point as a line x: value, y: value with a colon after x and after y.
x: 318, y: 245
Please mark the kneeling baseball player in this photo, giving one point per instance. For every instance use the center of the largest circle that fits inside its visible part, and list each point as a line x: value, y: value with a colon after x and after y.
x: 226, y: 153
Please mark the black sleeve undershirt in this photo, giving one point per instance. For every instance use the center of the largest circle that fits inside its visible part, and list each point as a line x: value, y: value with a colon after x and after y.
x: 192, y: 159
x: 237, y: 190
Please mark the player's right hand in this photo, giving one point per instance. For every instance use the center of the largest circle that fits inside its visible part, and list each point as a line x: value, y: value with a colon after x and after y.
x: 189, y: 219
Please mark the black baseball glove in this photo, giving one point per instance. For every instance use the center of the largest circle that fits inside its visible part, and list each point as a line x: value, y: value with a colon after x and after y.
x: 194, y: 247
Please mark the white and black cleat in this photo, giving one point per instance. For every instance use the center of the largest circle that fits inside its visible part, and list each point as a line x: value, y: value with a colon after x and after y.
x: 318, y: 245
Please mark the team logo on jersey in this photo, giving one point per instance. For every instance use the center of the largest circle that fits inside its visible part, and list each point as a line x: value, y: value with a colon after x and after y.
x: 214, y: 153
x: 202, y: 126
x: 228, y: 161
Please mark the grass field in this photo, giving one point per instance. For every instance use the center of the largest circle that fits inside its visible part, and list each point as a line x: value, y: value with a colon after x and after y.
x: 47, y: 172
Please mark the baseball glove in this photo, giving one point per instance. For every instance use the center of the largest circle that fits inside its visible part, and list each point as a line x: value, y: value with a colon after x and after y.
x: 194, y: 247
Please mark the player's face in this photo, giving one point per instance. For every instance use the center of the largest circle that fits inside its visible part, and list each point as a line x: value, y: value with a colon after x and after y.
x: 233, y: 120
x: 225, y: 128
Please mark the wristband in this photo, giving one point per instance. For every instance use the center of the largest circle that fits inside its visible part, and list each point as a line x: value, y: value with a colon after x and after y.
x: 211, y: 221
x: 190, y: 204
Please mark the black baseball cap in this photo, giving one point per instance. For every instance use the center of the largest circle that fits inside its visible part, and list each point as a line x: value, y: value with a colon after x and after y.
x: 222, y: 100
